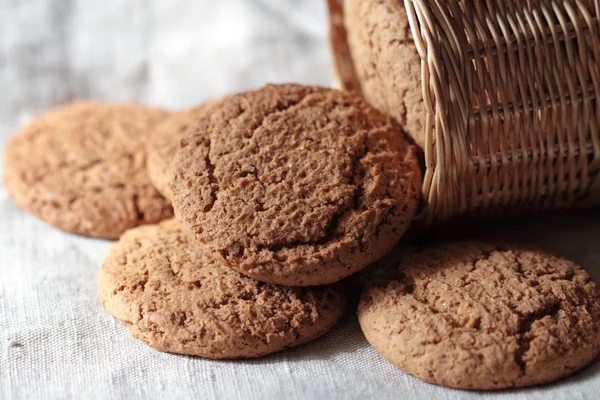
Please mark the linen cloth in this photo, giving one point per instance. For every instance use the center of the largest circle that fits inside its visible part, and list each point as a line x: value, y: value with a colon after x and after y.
x: 56, y: 341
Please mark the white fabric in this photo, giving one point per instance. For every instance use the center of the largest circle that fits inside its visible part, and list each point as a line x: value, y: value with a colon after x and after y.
x: 56, y: 342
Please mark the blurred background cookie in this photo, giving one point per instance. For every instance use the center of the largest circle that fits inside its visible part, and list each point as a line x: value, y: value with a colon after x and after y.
x: 82, y: 168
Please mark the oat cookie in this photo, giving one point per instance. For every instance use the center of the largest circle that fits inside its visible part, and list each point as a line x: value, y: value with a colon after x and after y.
x: 164, y: 141
x: 296, y: 185
x: 386, y: 61
x: 477, y: 315
x: 82, y: 168
x: 177, y: 300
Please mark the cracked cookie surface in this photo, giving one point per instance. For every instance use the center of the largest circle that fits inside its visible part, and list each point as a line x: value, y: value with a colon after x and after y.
x: 175, y: 299
x: 296, y: 185
x: 82, y: 168
x: 164, y: 142
x: 477, y: 315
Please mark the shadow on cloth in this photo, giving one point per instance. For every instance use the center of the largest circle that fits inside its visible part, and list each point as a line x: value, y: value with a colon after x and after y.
x: 346, y: 337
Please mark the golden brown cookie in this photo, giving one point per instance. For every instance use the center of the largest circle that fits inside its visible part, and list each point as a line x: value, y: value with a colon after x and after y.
x: 296, y: 185
x: 164, y: 141
x: 82, y: 168
x: 175, y: 299
x: 386, y: 61
x: 477, y: 315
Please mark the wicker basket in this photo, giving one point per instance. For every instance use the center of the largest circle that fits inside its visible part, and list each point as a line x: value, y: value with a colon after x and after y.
x: 510, y: 89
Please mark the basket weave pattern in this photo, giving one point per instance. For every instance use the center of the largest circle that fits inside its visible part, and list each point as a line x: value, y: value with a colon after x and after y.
x: 511, y: 89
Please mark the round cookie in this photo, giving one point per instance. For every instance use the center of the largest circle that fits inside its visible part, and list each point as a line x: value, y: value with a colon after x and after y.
x: 477, y: 315
x: 296, y: 185
x: 82, y: 168
x: 386, y: 61
x: 164, y: 141
x: 175, y: 299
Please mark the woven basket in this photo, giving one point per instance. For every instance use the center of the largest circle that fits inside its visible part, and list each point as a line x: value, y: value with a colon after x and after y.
x: 510, y: 89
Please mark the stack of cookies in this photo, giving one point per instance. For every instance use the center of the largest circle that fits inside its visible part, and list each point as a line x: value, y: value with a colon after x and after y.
x: 238, y: 222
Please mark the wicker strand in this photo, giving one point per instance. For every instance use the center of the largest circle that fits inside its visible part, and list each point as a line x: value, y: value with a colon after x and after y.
x: 511, y: 93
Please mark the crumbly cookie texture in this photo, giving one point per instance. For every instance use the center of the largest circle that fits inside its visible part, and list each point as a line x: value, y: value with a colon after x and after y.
x: 164, y: 142
x: 296, y: 185
x: 82, y: 168
x: 175, y: 299
x: 386, y: 61
x: 477, y: 315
